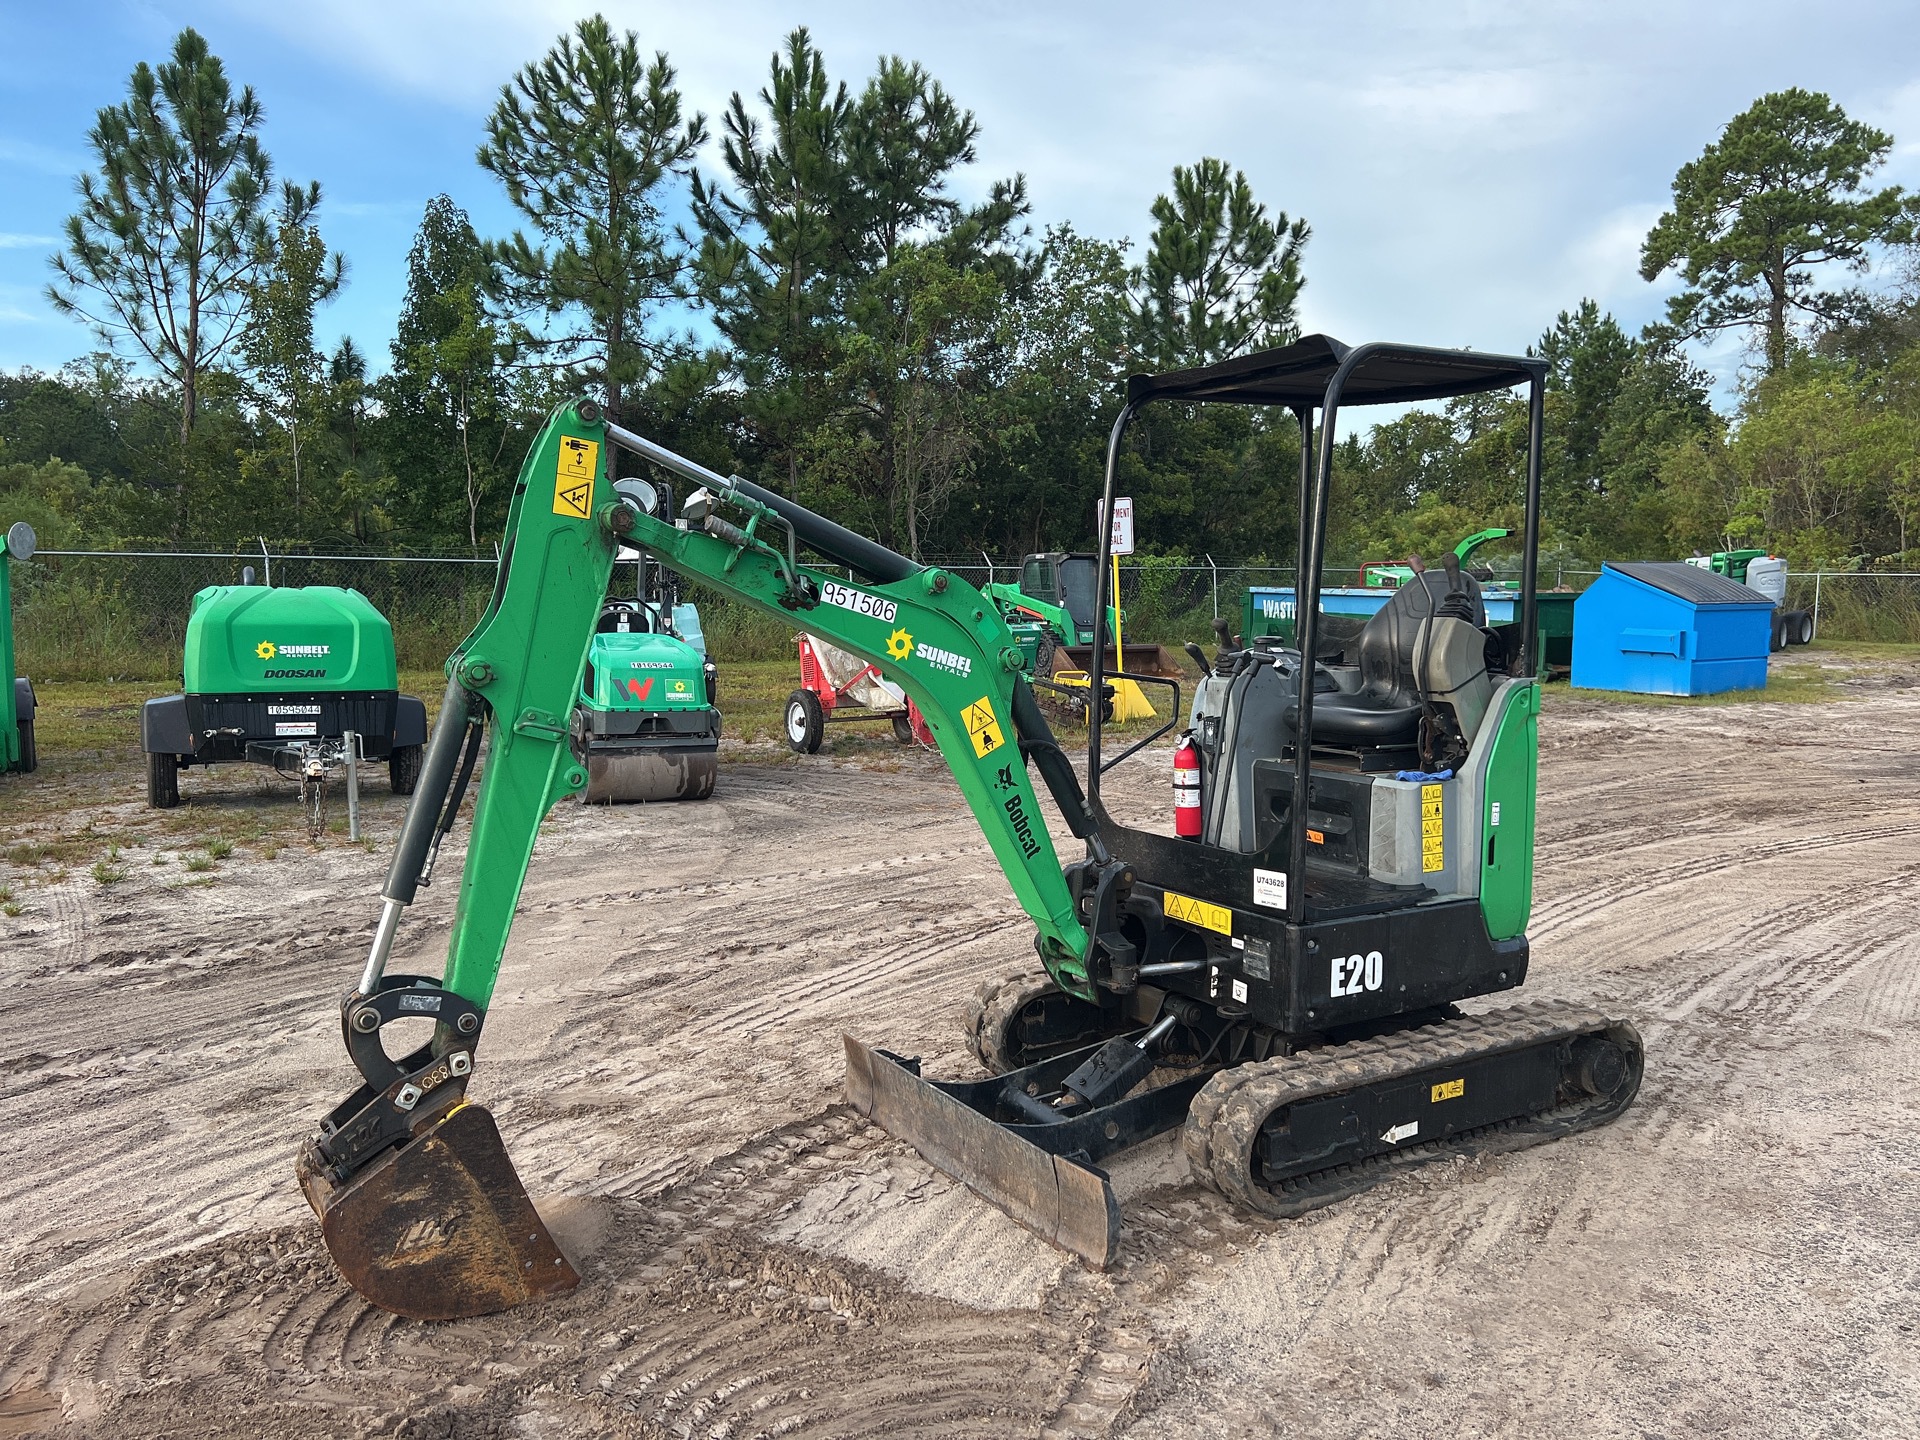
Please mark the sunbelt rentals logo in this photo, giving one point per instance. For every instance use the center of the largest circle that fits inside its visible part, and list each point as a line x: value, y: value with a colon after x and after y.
x: 267, y: 650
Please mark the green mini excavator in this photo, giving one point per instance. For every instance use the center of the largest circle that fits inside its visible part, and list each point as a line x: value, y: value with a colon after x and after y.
x: 1275, y: 973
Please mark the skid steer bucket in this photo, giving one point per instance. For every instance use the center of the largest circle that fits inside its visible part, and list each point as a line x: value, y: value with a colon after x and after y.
x: 1042, y: 1174
x: 440, y: 1228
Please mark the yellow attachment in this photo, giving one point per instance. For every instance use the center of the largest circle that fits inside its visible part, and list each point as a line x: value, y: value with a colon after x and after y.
x: 1129, y: 700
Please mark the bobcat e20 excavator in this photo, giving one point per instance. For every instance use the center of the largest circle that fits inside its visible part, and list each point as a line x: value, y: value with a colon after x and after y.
x: 1363, y: 859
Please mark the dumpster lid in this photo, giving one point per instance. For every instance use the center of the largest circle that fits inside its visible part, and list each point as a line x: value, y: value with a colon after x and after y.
x: 1689, y: 582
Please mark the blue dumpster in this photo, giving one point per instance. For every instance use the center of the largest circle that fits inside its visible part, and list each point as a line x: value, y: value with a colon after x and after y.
x: 1668, y: 628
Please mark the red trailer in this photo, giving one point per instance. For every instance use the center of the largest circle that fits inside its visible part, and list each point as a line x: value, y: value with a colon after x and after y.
x: 837, y: 687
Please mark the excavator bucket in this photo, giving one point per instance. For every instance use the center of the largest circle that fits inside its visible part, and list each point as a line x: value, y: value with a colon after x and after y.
x: 440, y: 1228
x: 1060, y: 1199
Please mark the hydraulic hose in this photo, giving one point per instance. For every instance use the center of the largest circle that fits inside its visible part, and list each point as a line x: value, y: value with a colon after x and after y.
x: 868, y: 557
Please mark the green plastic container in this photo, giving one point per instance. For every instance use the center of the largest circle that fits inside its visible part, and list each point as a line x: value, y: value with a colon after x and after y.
x: 248, y: 639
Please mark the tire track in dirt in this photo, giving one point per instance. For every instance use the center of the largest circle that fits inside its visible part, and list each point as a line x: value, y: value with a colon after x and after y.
x: 685, y: 1319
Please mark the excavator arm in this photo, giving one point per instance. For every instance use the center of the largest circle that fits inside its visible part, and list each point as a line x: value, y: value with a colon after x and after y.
x: 420, y: 1206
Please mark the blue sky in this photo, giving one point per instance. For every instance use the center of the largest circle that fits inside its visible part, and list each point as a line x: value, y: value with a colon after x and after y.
x: 1468, y: 169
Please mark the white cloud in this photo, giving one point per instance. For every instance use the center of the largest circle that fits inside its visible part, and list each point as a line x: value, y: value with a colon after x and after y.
x: 10, y: 240
x: 1469, y: 169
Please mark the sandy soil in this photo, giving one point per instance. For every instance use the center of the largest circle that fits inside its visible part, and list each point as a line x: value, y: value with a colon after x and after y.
x: 1735, y: 1256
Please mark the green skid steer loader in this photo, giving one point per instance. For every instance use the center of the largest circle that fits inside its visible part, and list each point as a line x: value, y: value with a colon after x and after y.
x: 1277, y: 976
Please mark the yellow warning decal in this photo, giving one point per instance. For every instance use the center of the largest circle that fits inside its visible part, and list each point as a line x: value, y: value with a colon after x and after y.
x: 1433, y: 839
x: 982, y: 728
x: 573, y: 480
x: 1198, y: 912
x: 1449, y: 1090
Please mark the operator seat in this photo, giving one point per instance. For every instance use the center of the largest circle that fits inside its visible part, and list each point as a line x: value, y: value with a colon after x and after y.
x: 624, y: 617
x: 1385, y: 710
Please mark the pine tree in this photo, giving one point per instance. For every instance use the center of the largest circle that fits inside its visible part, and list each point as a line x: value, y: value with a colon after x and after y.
x: 585, y: 141
x: 1780, y: 194
x: 447, y: 395
x: 171, y: 227
x: 1220, y: 277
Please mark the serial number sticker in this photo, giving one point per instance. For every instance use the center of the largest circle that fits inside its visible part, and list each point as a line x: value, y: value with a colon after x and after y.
x: 284, y: 728
x: 293, y: 710
x: 1449, y: 1090
x: 1270, y: 889
x: 1240, y: 992
x: 1198, y: 912
x: 858, y: 601
x: 573, y: 477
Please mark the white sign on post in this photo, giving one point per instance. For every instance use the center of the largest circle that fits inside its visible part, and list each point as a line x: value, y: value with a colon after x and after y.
x: 1122, y: 523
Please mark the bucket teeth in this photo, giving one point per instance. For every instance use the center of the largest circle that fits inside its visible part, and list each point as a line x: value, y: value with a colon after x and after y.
x: 440, y: 1228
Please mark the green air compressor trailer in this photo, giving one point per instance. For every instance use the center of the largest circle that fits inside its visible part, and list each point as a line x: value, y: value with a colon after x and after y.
x: 17, y: 751
x: 278, y: 677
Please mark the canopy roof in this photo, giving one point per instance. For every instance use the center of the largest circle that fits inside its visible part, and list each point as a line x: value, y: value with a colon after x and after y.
x: 1297, y: 375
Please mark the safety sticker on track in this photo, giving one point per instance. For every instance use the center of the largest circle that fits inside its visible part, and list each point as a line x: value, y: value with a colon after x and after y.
x: 982, y: 728
x: 573, y: 480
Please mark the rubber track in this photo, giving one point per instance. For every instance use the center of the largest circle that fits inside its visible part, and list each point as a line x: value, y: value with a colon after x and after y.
x: 992, y: 1010
x: 1227, y: 1115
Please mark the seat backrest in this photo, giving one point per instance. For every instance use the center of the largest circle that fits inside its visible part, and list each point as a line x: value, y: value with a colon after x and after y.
x: 1450, y: 658
x: 1386, y: 645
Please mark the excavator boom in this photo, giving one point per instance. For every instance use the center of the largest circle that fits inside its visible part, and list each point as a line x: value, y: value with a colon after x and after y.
x: 420, y: 1206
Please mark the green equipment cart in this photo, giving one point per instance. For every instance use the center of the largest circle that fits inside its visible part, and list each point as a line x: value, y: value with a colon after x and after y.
x: 17, y: 751
x: 280, y: 677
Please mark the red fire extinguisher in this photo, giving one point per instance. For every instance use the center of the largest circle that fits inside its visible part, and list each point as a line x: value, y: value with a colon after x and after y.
x: 1186, y: 789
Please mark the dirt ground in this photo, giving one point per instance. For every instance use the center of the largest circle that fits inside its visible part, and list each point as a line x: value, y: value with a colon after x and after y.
x: 1735, y: 1256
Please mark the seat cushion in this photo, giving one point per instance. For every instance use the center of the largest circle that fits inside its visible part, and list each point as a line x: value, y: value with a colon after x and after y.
x: 1359, y: 719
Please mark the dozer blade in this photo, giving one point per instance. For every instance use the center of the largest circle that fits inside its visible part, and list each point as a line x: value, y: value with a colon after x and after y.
x: 1139, y: 659
x: 649, y: 775
x: 440, y: 1229
x: 1061, y: 1200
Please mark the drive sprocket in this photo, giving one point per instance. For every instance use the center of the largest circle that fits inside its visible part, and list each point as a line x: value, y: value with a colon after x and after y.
x: 1021, y: 1018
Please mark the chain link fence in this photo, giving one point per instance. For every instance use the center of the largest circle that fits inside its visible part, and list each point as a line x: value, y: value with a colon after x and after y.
x: 95, y: 615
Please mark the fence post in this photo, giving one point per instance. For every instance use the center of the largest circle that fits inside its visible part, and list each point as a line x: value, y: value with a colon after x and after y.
x: 1216, y: 586
x: 268, y: 559
x: 1816, y: 604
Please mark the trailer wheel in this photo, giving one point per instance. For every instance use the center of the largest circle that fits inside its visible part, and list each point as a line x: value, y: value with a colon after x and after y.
x: 403, y: 768
x: 1779, y: 631
x: 163, y: 780
x: 1805, y: 628
x: 29, y: 756
x: 903, y: 729
x: 806, y: 722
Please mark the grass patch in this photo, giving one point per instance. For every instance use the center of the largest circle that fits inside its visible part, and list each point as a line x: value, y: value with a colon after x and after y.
x: 30, y: 854
x: 1786, y: 685
x: 105, y: 872
x: 219, y: 849
x: 199, y: 864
